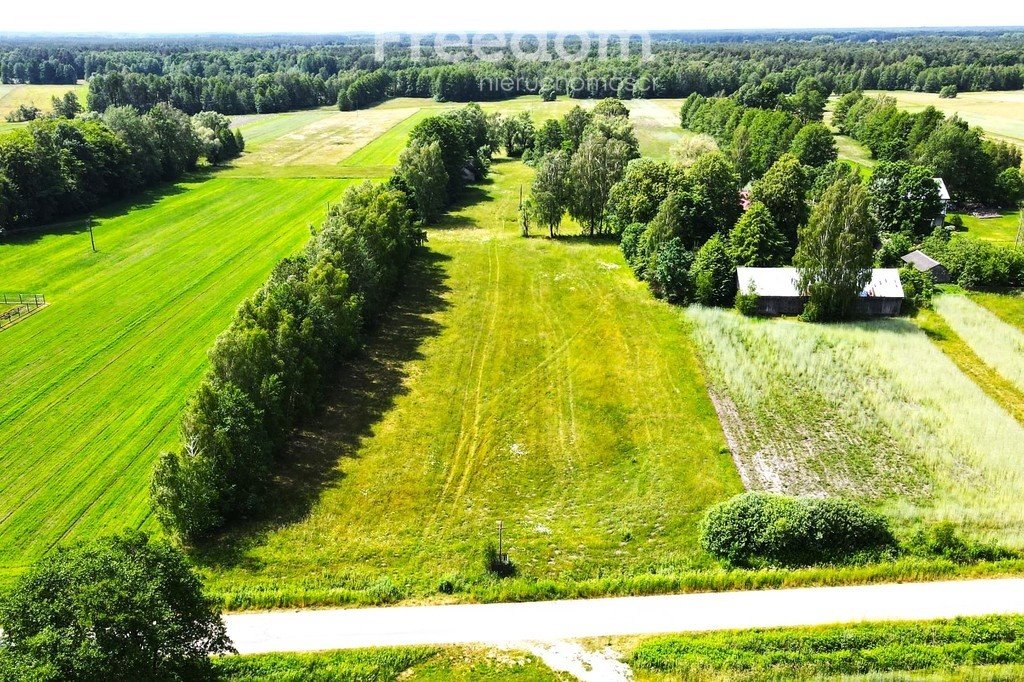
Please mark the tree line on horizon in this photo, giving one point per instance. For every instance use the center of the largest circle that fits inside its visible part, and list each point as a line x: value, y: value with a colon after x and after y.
x: 266, y: 76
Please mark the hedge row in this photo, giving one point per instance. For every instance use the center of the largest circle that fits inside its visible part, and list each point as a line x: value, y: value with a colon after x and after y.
x: 755, y: 529
x: 268, y: 370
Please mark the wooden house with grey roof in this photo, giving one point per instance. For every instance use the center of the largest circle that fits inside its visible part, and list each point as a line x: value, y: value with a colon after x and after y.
x: 922, y: 262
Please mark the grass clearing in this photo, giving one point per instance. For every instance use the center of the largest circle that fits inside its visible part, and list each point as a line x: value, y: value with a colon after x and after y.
x: 92, y: 385
x: 1000, y: 113
x: 998, y: 344
x: 851, y: 150
x: 13, y: 96
x: 656, y: 122
x: 1001, y: 230
x: 870, y: 410
x: 532, y: 381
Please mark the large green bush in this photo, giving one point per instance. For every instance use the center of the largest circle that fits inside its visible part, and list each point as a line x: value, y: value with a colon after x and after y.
x: 118, y: 608
x: 755, y: 529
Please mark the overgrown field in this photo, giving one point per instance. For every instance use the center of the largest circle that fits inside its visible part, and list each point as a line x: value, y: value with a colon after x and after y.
x: 91, y: 386
x: 871, y: 410
x: 999, y: 113
x: 528, y: 381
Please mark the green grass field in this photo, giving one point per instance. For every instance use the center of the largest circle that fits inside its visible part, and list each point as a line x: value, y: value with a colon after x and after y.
x: 530, y: 381
x: 13, y: 96
x: 1007, y: 307
x: 871, y: 410
x: 1000, y: 113
x: 319, y: 143
x: 91, y: 386
x: 1002, y: 230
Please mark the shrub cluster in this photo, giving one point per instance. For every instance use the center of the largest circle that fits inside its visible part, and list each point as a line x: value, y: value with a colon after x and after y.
x: 976, y: 264
x: 267, y: 371
x: 754, y: 529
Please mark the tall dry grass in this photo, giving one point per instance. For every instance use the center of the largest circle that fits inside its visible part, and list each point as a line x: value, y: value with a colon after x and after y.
x: 999, y: 345
x: 871, y: 410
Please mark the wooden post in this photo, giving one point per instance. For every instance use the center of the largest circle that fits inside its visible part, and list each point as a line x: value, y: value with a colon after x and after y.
x: 1020, y: 225
x: 92, y: 239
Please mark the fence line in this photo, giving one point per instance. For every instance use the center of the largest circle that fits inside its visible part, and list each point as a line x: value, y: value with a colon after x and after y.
x: 36, y: 300
x: 23, y: 306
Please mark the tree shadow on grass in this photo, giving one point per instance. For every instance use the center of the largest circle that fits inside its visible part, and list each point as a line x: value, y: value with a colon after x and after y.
x: 77, y: 224
x: 453, y: 220
x: 362, y: 391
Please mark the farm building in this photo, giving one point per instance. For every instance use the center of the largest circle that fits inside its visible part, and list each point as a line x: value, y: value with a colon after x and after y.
x: 922, y: 262
x: 778, y: 293
x: 940, y: 220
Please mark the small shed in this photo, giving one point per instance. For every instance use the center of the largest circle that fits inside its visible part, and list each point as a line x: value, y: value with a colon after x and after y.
x: 882, y: 296
x: 778, y: 291
x: 940, y: 219
x: 922, y: 262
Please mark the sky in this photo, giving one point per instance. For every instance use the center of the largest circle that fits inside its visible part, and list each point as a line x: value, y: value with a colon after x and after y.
x: 319, y: 16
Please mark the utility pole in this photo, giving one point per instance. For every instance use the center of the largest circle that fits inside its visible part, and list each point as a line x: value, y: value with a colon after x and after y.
x: 92, y: 239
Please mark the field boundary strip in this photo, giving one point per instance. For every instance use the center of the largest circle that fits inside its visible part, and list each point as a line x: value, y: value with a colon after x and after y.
x: 994, y: 384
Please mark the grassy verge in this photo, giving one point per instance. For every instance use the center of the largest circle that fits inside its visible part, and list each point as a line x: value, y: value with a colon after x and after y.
x: 383, y: 665
x: 949, y: 648
x: 327, y: 590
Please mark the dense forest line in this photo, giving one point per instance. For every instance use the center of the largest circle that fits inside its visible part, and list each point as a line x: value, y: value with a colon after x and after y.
x: 290, y: 73
x: 57, y: 167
